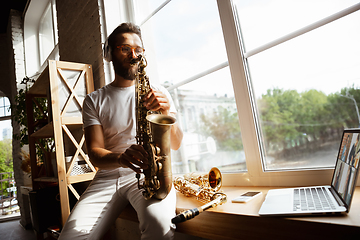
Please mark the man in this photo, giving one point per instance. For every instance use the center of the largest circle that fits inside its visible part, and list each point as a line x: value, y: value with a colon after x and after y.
x: 110, y: 128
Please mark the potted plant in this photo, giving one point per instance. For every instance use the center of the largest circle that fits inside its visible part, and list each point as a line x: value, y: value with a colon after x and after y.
x: 19, y: 115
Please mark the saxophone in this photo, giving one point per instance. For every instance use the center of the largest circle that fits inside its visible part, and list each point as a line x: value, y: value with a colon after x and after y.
x: 153, y: 133
x: 204, y: 188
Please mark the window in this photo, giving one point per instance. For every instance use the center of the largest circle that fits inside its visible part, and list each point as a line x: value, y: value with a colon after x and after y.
x: 46, y: 34
x: 5, y: 119
x: 4, y: 107
x: 287, y: 79
x: 7, y: 183
x: 40, y: 36
x: 306, y: 87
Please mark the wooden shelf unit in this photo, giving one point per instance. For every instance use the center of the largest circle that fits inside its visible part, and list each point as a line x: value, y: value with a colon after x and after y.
x: 64, y: 85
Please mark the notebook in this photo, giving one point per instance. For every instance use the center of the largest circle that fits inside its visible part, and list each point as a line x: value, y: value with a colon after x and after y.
x: 335, y: 198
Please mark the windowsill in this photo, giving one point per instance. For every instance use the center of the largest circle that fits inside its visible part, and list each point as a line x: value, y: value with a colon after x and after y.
x: 238, y: 220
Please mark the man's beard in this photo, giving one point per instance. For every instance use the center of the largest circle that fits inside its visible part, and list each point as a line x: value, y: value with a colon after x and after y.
x: 122, y: 71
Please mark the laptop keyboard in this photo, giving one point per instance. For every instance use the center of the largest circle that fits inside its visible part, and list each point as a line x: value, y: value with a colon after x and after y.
x: 312, y: 198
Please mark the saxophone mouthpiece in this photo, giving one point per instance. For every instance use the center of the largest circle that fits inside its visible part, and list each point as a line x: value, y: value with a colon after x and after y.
x: 136, y: 60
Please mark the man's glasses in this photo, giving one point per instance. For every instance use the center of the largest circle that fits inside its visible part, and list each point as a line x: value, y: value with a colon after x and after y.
x: 126, y: 49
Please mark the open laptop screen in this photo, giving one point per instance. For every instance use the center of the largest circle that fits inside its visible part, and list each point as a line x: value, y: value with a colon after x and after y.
x: 347, y: 165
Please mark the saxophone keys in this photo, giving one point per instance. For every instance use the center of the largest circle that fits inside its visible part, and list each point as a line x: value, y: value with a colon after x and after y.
x: 157, y: 150
x: 155, y: 183
x: 160, y: 166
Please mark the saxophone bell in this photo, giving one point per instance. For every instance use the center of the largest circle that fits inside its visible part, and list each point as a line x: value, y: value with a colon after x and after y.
x: 215, y: 179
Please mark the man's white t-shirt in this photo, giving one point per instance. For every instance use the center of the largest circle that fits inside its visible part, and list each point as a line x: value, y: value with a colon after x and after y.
x: 114, y: 109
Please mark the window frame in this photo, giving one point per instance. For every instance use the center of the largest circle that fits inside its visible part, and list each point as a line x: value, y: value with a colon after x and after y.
x: 245, y: 102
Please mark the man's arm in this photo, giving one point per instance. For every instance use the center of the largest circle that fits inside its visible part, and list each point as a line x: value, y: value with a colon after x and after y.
x: 134, y: 157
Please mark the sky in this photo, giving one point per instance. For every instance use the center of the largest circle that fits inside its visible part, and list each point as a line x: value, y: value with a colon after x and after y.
x: 6, y: 124
x: 326, y: 58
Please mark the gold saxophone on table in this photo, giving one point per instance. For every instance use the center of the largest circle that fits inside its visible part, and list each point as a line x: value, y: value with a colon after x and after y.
x: 204, y: 188
x: 153, y: 133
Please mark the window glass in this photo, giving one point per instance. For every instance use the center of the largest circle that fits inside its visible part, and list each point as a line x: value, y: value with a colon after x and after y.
x: 184, y: 43
x: 210, y: 122
x: 143, y: 8
x: 306, y: 89
x: 4, y: 107
x: 46, y: 35
x: 182, y: 40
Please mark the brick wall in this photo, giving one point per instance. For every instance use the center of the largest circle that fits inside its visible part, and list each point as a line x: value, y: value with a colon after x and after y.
x: 80, y: 36
x: 17, y: 73
x: 7, y: 63
x: 12, y: 64
x: 16, y: 25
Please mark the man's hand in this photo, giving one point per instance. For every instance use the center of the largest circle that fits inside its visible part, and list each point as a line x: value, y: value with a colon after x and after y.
x: 157, y: 101
x: 135, y: 157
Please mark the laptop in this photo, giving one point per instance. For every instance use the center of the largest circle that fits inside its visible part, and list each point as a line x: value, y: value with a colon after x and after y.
x: 335, y: 198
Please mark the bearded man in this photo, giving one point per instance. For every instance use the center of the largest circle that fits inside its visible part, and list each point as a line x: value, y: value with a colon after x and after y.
x: 109, y: 120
